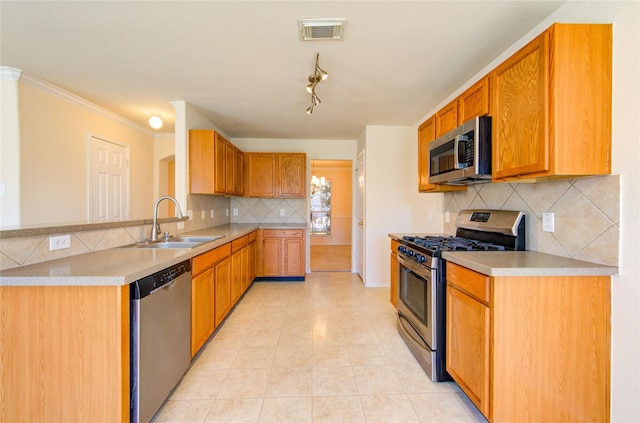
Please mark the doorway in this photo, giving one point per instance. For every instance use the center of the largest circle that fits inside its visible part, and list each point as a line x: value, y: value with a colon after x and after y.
x: 331, y: 215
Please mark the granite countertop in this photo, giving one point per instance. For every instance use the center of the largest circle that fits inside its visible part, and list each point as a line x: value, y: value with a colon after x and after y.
x: 526, y: 263
x: 121, y: 266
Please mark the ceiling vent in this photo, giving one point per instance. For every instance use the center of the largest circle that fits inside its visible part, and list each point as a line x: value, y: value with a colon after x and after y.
x: 320, y: 29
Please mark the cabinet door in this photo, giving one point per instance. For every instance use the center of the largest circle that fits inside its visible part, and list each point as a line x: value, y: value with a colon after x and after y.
x: 272, y: 257
x: 520, y: 111
x: 447, y: 118
x: 239, y: 175
x: 292, y: 175
x: 474, y: 101
x: 393, y: 277
x: 468, y: 331
x: 244, y: 269
x: 202, y: 318
x: 236, y: 276
x: 201, y: 162
x: 222, y: 290
x: 253, y: 251
x: 220, y: 165
x: 426, y: 134
x: 260, y: 174
x: 230, y: 163
x: 294, y: 257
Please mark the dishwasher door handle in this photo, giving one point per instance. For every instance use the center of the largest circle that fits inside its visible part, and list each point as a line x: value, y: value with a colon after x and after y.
x: 166, y: 287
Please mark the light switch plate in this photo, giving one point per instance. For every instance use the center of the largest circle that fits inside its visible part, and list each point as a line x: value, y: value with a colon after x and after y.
x: 548, y: 224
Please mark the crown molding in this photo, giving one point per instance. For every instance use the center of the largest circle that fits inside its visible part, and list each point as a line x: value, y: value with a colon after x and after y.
x: 48, y: 88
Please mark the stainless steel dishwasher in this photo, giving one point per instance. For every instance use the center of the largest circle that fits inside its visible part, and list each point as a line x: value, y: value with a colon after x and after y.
x: 160, y: 337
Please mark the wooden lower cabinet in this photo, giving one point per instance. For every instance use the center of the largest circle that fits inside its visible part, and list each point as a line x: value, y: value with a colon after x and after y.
x: 222, y: 307
x: 202, y: 315
x: 282, y: 253
x: 393, y: 277
x: 205, y: 269
x: 239, y: 267
x: 64, y: 353
x: 530, y: 348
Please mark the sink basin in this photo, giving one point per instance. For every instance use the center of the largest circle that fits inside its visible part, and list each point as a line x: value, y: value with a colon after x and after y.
x: 200, y: 239
x: 171, y: 244
x: 176, y: 242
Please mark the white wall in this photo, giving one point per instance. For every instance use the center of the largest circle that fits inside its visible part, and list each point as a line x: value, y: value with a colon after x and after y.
x: 388, y: 205
x: 9, y: 152
x: 625, y: 288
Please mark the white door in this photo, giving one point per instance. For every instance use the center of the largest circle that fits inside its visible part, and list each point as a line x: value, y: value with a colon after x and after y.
x: 360, y: 251
x: 108, y: 181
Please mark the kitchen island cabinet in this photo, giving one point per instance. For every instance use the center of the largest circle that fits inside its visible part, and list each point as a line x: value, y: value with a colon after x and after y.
x: 551, y: 106
x: 530, y: 348
x: 65, y: 353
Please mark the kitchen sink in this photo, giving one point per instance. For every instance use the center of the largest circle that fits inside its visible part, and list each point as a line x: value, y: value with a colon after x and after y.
x: 175, y: 242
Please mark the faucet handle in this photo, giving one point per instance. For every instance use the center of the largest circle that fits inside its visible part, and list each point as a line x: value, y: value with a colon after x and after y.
x: 166, y: 236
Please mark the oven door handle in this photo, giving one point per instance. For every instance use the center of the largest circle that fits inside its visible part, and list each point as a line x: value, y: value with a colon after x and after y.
x: 409, y: 330
x: 414, y: 267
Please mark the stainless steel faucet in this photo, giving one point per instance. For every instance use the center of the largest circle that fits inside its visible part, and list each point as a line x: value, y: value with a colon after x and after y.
x: 155, y: 229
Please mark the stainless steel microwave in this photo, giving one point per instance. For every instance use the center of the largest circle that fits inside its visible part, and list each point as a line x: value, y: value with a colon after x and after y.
x: 462, y: 156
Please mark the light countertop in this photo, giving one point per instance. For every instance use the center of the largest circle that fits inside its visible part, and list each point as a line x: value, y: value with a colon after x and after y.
x: 121, y: 266
x: 525, y: 263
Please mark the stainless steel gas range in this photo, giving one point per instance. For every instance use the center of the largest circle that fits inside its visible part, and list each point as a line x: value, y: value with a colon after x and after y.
x: 422, y: 284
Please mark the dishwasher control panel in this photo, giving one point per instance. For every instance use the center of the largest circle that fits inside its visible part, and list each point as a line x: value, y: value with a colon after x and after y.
x: 145, y: 286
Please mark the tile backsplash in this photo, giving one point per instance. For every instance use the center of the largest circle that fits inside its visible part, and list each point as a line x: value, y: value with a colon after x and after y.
x: 269, y: 210
x: 586, y: 212
x: 15, y: 252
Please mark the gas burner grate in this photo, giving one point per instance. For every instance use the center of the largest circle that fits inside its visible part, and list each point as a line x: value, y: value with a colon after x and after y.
x: 452, y: 243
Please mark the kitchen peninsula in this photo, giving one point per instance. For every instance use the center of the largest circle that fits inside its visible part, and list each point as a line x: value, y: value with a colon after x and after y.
x: 65, y: 329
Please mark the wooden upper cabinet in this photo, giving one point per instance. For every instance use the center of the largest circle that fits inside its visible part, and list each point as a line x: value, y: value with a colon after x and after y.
x: 551, y: 106
x: 213, y: 167
x: 230, y: 170
x: 260, y: 174
x: 447, y: 118
x: 275, y: 175
x: 292, y: 175
x: 426, y: 134
x: 474, y: 101
x: 239, y: 172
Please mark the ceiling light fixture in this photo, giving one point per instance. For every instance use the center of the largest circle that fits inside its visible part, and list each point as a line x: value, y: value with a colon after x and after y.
x: 319, y: 74
x: 155, y: 121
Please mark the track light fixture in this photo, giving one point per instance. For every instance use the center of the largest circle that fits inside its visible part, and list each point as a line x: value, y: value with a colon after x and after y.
x: 319, y: 74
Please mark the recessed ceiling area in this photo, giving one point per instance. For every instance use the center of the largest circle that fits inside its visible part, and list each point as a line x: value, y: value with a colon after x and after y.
x: 243, y: 65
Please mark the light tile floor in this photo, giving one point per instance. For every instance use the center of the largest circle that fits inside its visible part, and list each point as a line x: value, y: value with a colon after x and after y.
x: 323, y: 350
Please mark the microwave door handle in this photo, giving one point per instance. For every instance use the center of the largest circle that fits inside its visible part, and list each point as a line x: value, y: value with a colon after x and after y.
x: 456, y: 148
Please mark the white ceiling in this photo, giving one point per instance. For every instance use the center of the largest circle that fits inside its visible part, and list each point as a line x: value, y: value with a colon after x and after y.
x: 243, y: 66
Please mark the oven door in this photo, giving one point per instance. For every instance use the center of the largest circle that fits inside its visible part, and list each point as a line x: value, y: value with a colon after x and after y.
x: 417, y: 293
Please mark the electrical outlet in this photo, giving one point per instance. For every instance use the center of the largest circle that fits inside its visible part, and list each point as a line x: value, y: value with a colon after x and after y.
x: 204, y: 215
x: 548, y: 224
x: 227, y: 212
x: 212, y: 214
x: 235, y: 212
x: 180, y: 225
x: 281, y: 212
x: 59, y: 242
x: 446, y: 217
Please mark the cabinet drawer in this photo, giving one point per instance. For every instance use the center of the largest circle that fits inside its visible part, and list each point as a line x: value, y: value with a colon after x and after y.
x: 473, y: 283
x: 253, y: 236
x: 237, y: 244
x: 282, y: 233
x: 205, y: 260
